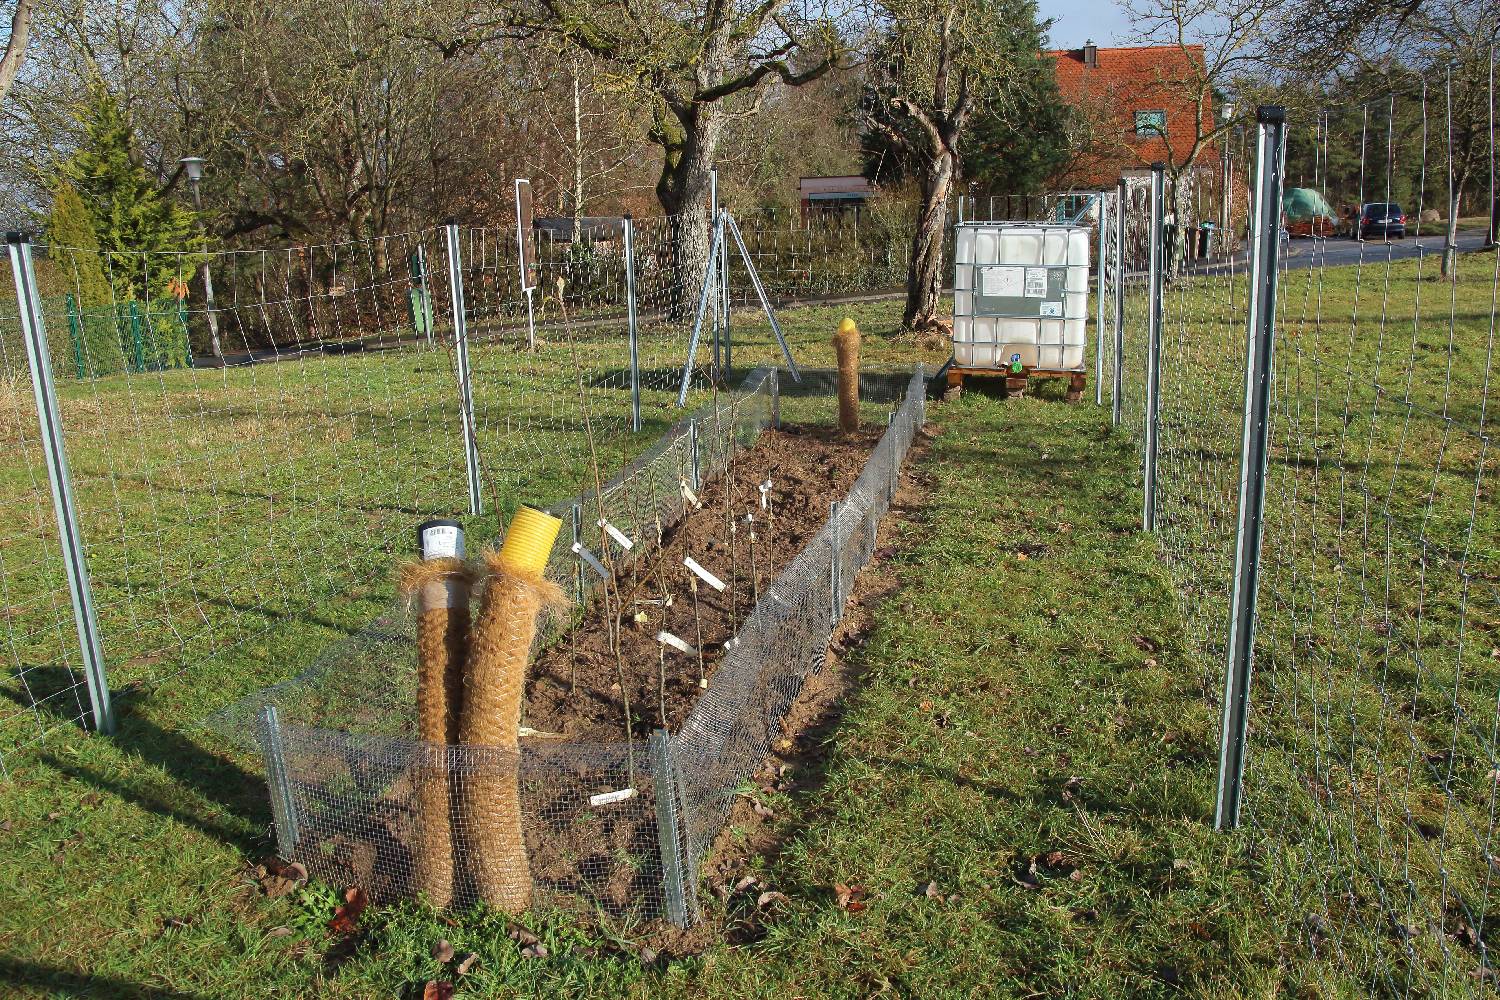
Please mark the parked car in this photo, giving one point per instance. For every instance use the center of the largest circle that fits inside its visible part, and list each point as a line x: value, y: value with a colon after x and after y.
x: 1382, y: 218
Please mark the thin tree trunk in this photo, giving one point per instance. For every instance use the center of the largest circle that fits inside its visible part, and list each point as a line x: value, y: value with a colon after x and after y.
x: 15, y: 48
x: 924, y: 273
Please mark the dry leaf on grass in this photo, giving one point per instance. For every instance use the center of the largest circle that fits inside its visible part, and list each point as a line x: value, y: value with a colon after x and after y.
x: 765, y: 899
x: 346, y: 918
x: 849, y: 897
x: 443, y: 952
x: 437, y: 990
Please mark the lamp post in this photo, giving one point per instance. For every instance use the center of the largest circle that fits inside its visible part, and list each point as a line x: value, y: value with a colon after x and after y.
x: 194, y: 167
x: 1226, y: 115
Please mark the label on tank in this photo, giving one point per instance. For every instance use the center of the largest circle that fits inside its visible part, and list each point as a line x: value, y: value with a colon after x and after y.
x: 1036, y: 282
x: 1020, y: 292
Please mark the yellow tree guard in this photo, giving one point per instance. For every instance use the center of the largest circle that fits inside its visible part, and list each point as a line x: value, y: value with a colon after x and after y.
x: 514, y: 593
x: 441, y: 588
x: 846, y: 346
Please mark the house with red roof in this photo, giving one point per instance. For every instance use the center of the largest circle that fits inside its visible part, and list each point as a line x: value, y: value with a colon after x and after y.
x: 1139, y: 105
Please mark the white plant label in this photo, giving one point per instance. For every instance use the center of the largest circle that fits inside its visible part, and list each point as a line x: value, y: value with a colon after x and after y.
x: 589, y: 558
x: 605, y: 798
x: 621, y: 539
x: 765, y: 490
x: 443, y: 541
x: 702, y: 573
x: 667, y: 638
x: 690, y: 496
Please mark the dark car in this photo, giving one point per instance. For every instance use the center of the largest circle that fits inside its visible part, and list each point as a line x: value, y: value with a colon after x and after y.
x: 1382, y: 218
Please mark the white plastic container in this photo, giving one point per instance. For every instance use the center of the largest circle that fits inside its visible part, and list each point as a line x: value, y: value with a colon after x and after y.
x: 1020, y: 294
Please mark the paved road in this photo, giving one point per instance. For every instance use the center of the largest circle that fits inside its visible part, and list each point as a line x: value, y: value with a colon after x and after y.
x: 1340, y: 252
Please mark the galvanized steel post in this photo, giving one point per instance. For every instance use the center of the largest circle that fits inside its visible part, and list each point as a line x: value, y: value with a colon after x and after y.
x: 575, y: 516
x: 1119, y: 372
x: 283, y: 804
x: 1153, y: 343
x: 1099, y: 303
x: 461, y: 354
x: 54, y: 452
x: 635, y: 359
x: 1265, y: 250
x: 836, y: 584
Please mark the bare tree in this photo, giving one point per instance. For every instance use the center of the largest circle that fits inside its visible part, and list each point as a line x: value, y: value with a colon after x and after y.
x: 15, y: 46
x: 939, y: 61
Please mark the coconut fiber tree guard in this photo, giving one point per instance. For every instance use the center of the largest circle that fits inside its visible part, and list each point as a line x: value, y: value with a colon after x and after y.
x: 514, y: 593
x: 440, y: 582
x: 846, y: 346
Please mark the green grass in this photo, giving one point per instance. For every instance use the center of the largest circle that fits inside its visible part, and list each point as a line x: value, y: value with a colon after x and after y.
x: 1008, y: 708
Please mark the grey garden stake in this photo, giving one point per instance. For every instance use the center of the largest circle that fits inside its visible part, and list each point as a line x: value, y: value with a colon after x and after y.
x: 1099, y: 302
x: 576, y: 518
x: 461, y: 354
x: 1265, y: 232
x: 1153, y: 344
x: 663, y: 779
x: 718, y: 262
x: 1119, y: 373
x: 703, y: 297
x: 775, y: 399
x: 49, y: 421
x: 635, y: 359
x: 835, y: 584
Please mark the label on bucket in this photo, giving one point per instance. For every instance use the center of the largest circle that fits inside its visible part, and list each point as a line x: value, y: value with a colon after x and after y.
x: 442, y: 541
x: 605, y: 798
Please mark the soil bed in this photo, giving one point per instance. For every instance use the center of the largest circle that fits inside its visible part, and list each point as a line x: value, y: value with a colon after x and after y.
x: 574, y: 688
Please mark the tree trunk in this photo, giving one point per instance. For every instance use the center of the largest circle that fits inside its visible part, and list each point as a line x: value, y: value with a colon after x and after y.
x: 924, y: 273
x: 1450, y: 245
x: 682, y: 191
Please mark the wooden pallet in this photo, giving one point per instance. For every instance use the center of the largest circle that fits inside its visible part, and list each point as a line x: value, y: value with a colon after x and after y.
x: 1015, y: 382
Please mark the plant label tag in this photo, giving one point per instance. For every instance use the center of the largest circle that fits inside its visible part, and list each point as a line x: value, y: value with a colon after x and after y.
x: 668, y: 639
x: 690, y: 496
x: 702, y: 573
x: 621, y: 539
x: 703, y: 683
x: 589, y: 558
x: 765, y: 489
x: 606, y: 798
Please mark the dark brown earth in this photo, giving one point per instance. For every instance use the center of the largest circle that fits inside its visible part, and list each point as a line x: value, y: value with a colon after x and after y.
x: 574, y: 688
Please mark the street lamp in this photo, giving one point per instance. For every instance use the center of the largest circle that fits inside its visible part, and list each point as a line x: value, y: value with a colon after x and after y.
x: 193, y: 165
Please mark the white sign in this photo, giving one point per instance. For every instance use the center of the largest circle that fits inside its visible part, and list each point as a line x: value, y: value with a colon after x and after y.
x: 605, y: 798
x: 442, y: 541
x: 619, y: 536
x: 667, y: 638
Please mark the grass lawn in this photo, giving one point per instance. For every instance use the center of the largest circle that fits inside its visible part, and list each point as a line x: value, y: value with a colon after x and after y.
x: 1022, y: 782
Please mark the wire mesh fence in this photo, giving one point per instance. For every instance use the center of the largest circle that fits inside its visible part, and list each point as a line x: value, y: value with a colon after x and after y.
x: 1370, y: 774
x: 613, y: 829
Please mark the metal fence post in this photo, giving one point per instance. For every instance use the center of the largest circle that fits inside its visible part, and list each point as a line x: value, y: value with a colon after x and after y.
x: 1260, y: 333
x: 283, y: 805
x: 696, y: 469
x: 75, y: 333
x: 776, y: 399
x: 461, y: 352
x: 49, y: 425
x: 1099, y: 303
x: 635, y: 358
x: 576, y: 517
x: 1153, y: 344
x: 836, y: 584
x: 1119, y: 372
x: 668, y: 827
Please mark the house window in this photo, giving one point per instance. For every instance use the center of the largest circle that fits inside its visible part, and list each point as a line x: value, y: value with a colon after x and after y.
x: 1150, y: 123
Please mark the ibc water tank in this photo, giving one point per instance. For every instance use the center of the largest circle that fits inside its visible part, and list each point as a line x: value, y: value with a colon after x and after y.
x: 1020, y: 293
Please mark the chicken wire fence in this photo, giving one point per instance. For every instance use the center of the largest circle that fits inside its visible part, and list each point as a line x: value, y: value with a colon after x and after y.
x: 1367, y: 740
x: 612, y: 829
x: 242, y: 460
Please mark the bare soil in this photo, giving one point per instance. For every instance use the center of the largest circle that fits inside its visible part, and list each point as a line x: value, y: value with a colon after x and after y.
x: 579, y: 688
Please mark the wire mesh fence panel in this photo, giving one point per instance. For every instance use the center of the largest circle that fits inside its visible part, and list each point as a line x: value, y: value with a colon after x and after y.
x: 1371, y: 774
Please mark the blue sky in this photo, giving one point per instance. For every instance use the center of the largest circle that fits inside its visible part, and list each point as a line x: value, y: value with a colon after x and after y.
x: 1080, y: 20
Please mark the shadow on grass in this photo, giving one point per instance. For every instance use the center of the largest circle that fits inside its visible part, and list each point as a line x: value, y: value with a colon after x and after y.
x: 60, y: 982
x: 183, y: 763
